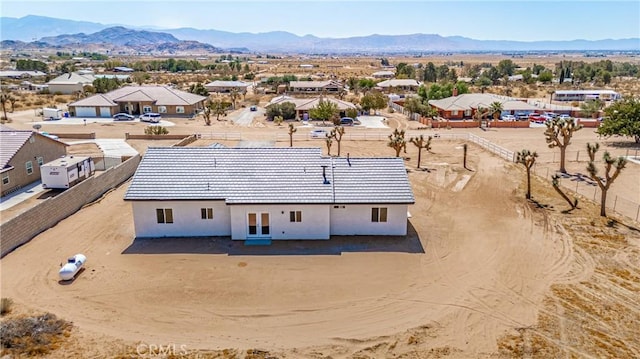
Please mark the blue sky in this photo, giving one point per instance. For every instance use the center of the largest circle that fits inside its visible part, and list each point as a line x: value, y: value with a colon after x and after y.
x: 484, y: 20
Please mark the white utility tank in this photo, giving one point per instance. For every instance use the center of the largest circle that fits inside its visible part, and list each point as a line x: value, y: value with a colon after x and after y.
x: 72, y: 267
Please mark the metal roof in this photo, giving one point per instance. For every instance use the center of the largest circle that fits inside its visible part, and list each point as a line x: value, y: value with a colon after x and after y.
x: 219, y: 83
x: 267, y: 175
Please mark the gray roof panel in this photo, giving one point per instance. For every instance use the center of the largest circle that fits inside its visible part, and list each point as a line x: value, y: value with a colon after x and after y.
x: 266, y: 175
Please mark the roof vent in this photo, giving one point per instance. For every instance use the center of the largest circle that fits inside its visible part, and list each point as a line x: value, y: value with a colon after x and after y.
x: 324, y: 175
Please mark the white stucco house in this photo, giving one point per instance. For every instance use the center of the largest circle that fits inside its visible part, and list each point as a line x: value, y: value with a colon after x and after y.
x: 267, y: 194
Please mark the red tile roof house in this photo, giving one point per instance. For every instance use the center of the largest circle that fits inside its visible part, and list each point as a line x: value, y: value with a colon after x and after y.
x: 137, y: 100
x: 21, y: 155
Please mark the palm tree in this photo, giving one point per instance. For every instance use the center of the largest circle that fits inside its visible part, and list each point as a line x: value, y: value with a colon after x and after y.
x: 496, y: 109
x: 558, y: 134
x: 604, y: 184
x: 292, y: 130
x: 421, y: 144
x: 591, y: 108
x: 528, y: 159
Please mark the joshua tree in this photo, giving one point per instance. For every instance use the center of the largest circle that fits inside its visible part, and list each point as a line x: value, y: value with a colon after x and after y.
x: 292, y: 130
x: 219, y: 107
x: 558, y: 134
x: 421, y: 144
x: 528, y: 159
x: 556, y: 185
x: 604, y: 184
x: 329, y: 141
x: 337, y: 134
x: 234, y: 96
x: 4, y: 98
x: 464, y: 161
x: 397, y: 141
x: 206, y: 113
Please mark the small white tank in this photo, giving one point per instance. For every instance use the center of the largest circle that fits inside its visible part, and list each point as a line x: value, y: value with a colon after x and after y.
x: 72, y: 267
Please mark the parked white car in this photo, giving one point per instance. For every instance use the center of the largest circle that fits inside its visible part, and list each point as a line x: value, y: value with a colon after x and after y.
x: 508, y: 118
x: 318, y: 133
x: 150, y: 117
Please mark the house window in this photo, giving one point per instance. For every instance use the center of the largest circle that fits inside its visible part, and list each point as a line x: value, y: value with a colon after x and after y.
x: 179, y: 109
x: 162, y: 109
x: 454, y: 112
x: 5, y: 178
x: 378, y: 214
x: 146, y: 109
x: 40, y: 161
x: 206, y: 213
x: 164, y: 215
x: 29, y: 167
x: 295, y: 216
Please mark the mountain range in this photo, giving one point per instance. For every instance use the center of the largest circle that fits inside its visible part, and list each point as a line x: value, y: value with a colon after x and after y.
x: 67, y: 32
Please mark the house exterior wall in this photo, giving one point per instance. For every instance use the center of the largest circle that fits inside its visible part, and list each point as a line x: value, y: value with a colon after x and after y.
x: 355, y: 219
x: 187, y: 219
x: 41, y: 146
x: 65, y: 88
x: 314, y: 225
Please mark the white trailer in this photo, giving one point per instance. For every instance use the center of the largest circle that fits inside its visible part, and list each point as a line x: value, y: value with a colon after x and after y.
x: 51, y: 113
x: 66, y: 171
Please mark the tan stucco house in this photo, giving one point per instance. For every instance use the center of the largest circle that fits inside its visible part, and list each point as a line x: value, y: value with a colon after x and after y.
x: 22, y: 152
x: 137, y: 100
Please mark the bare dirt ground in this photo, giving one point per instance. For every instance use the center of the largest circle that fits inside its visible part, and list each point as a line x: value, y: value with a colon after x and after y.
x: 482, y: 274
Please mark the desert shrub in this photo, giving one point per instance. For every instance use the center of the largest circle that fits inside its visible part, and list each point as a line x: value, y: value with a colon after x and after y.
x: 156, y: 130
x: 33, y: 335
x: 5, y: 305
x: 60, y: 100
x: 39, y: 102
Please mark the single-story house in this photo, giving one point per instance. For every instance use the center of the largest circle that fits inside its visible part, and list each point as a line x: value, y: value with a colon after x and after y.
x: 267, y: 194
x: 303, y: 105
x: 315, y: 87
x: 465, y: 106
x: 70, y: 83
x: 407, y: 85
x: 227, y: 86
x: 21, y: 155
x: 18, y: 74
x: 136, y: 100
x: 384, y: 74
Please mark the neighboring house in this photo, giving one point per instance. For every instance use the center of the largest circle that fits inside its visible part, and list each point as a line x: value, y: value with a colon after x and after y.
x: 583, y: 95
x: 137, y: 100
x: 303, y: 105
x: 384, y: 74
x: 70, y: 83
x: 17, y: 74
x: 21, y: 155
x: 395, y: 85
x: 315, y: 87
x: 267, y: 194
x: 227, y: 86
x: 465, y: 106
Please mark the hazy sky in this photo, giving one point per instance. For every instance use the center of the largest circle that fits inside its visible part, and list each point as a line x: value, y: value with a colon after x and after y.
x: 483, y: 20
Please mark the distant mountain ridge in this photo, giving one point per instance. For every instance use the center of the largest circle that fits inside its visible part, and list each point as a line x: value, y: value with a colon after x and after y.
x: 67, y: 32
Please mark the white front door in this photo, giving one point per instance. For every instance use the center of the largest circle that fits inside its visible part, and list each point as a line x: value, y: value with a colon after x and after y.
x: 258, y: 225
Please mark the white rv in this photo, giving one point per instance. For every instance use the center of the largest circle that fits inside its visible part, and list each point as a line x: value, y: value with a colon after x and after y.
x: 51, y: 113
x: 66, y: 171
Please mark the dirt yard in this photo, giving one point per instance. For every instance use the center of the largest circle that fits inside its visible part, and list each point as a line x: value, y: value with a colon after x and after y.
x: 482, y: 274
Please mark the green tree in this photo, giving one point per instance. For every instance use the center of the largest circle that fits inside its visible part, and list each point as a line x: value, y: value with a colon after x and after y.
x: 622, y: 119
x: 429, y: 74
x: 527, y: 159
x: 219, y: 107
x: 591, y: 108
x: 366, y: 84
x: 325, y: 110
x: 104, y: 85
x: 31, y: 65
x: 421, y: 144
x: 397, y: 141
x: 292, y: 130
x: 384, y: 61
x: 351, y: 112
x: 199, y: 89
x: 545, y: 76
x: 558, y: 134
x: 506, y: 67
x: 604, y: 183
x: 337, y: 134
x: 375, y: 100
x: 405, y: 71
